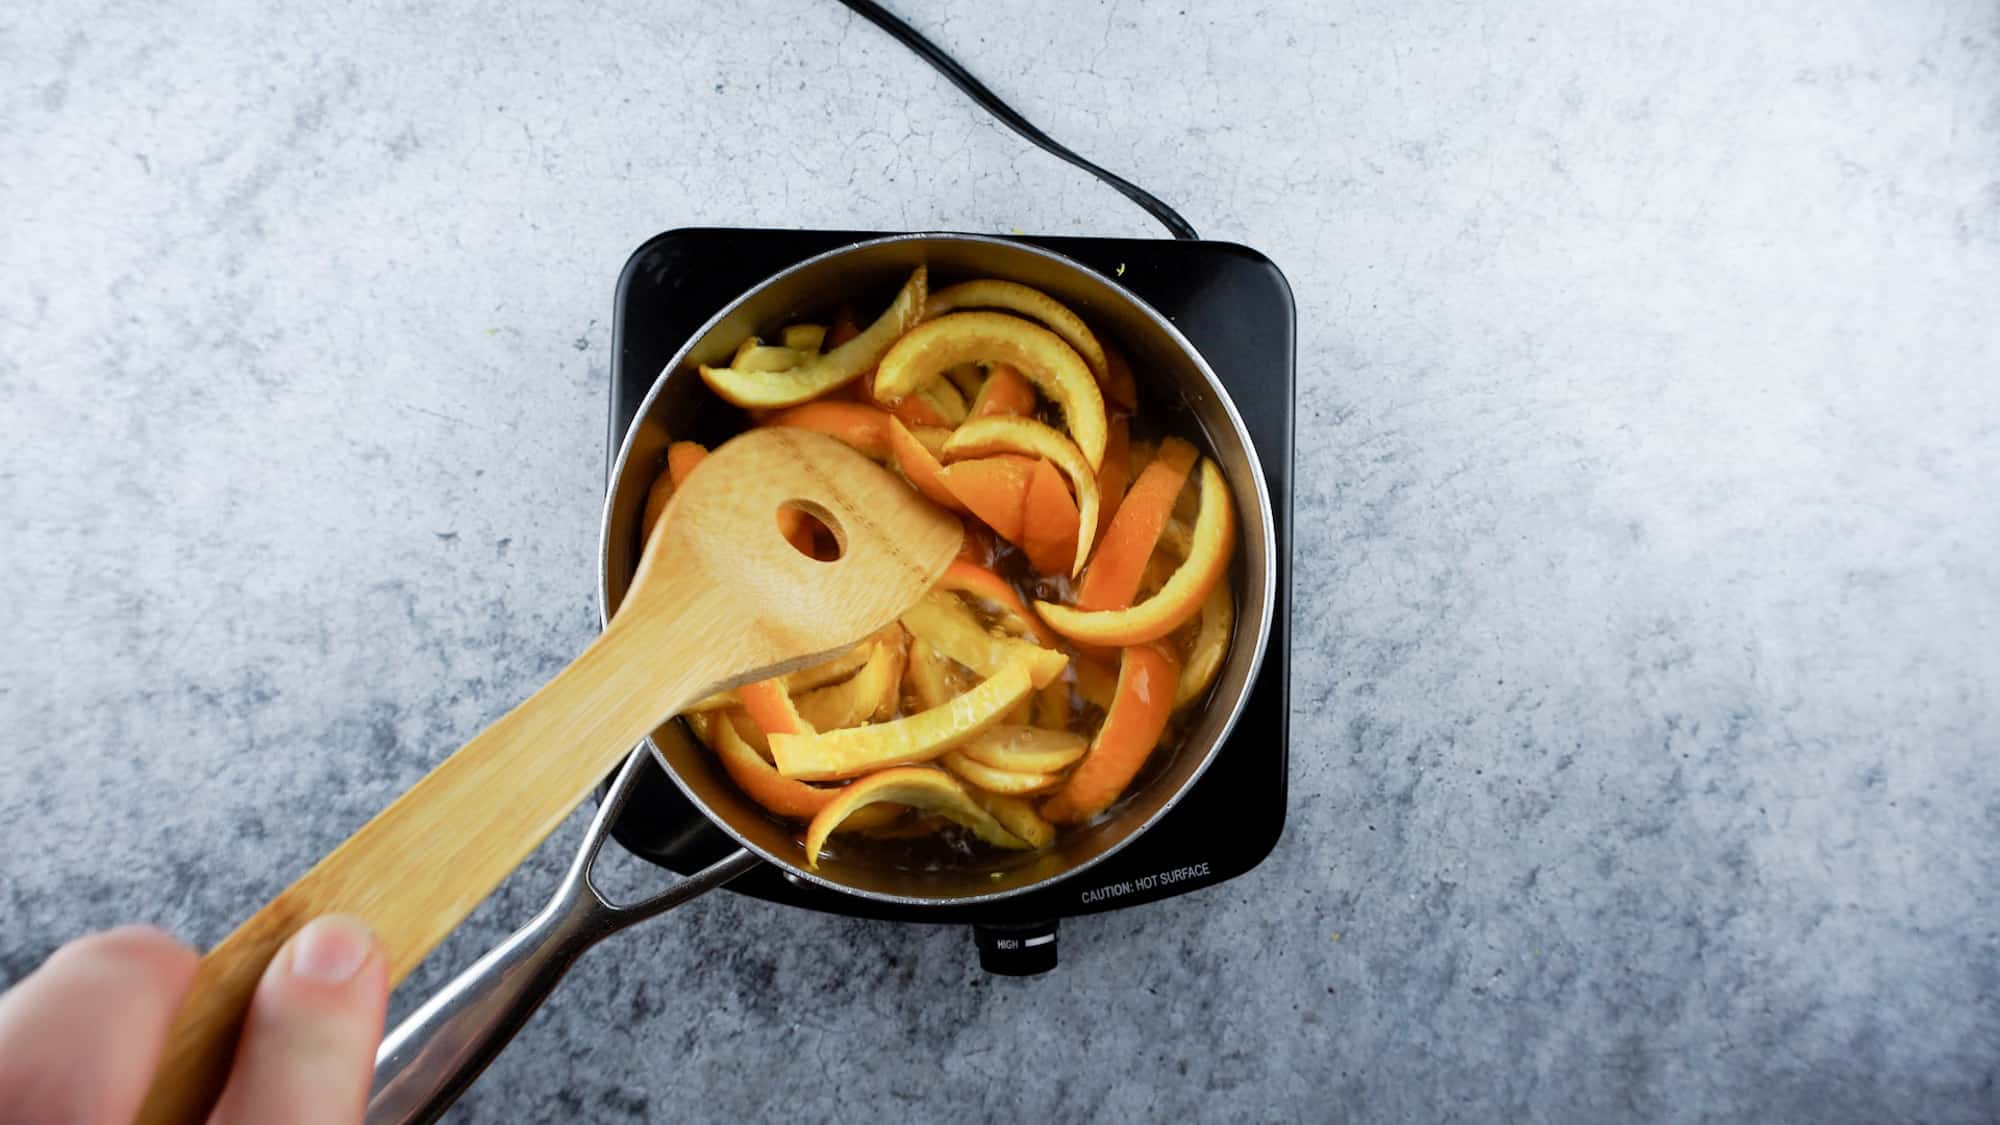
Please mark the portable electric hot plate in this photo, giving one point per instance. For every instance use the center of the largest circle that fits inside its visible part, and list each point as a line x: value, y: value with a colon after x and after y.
x: 1234, y: 305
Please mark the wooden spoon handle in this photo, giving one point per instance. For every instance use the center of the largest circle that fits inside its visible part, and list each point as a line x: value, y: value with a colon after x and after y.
x: 419, y: 867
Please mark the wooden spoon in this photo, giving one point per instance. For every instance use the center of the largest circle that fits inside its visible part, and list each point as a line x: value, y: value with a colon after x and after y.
x: 720, y: 599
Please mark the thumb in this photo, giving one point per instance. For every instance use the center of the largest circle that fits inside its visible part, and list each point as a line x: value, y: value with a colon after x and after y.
x: 308, y: 1047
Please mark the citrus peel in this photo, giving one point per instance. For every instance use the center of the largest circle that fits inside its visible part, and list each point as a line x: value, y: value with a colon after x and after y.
x: 992, y: 293
x: 943, y: 621
x: 1003, y: 434
x: 816, y: 375
x: 994, y: 780
x: 1025, y: 749
x: 920, y: 787
x: 921, y: 357
x: 836, y: 754
x: 1180, y: 598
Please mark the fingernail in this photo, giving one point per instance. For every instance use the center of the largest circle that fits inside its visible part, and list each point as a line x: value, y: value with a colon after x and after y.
x: 331, y: 949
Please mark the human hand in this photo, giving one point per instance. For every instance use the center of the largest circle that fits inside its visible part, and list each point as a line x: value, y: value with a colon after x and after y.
x: 81, y: 1036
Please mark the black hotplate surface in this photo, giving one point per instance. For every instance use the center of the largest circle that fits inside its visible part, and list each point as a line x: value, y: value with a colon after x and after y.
x: 1237, y: 309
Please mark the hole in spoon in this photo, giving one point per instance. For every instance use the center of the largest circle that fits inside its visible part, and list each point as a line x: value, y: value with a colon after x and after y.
x: 811, y: 530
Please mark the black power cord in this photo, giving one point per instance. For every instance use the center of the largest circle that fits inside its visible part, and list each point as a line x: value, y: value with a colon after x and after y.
x: 989, y: 101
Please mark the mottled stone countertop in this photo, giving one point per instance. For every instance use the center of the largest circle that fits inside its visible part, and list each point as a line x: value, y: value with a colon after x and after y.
x: 1645, y: 669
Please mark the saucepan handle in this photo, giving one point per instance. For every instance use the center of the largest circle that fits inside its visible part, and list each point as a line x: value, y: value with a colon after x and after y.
x: 431, y: 1057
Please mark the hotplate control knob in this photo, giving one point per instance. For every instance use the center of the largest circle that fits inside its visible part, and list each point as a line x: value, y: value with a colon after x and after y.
x: 1022, y: 949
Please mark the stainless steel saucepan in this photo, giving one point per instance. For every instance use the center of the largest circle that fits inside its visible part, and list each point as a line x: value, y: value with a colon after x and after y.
x: 426, y: 1062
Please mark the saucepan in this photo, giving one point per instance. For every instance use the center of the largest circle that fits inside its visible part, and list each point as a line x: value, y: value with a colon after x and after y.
x: 428, y: 1060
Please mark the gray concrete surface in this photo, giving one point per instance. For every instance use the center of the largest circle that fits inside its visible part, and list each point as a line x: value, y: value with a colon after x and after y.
x: 1649, y: 505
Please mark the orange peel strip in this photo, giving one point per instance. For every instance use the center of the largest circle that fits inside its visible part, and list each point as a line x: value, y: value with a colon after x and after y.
x: 1181, y: 597
x: 1052, y: 707
x: 1132, y: 727
x: 946, y: 400
x: 920, y: 465
x: 1004, y: 392
x: 1002, y: 434
x: 835, y: 754
x: 925, y: 352
x: 1048, y: 520
x: 1020, y: 818
x: 922, y: 787
x: 682, y: 457
x: 992, y: 780
x: 769, y: 705
x: 993, y: 490
x: 1210, y: 645
x: 944, y: 621
x: 992, y: 293
x: 917, y: 412
x: 755, y: 777
x: 820, y: 374
x: 865, y: 429
x: 755, y: 357
x: 1114, y: 575
x: 930, y: 678
x: 1022, y: 749
x: 830, y: 672
x: 971, y: 578
x: 746, y: 729
x: 867, y: 695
